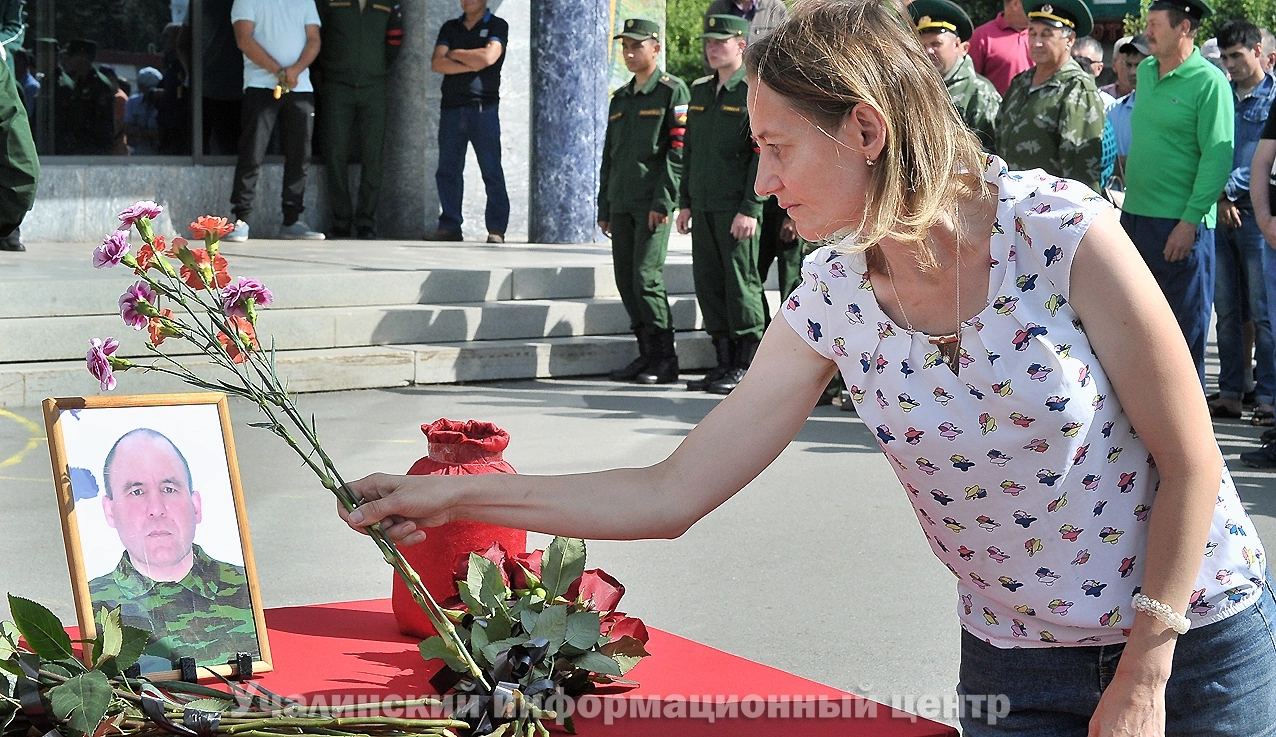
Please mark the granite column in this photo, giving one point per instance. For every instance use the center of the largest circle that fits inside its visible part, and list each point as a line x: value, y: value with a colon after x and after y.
x: 569, y: 108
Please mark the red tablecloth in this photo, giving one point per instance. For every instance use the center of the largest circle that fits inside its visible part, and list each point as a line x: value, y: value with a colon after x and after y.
x: 336, y: 651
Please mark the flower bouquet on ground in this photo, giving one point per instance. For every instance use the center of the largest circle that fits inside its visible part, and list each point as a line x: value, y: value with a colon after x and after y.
x: 520, y: 625
x: 542, y: 626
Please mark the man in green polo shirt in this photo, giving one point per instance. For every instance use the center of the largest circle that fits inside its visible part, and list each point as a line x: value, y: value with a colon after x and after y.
x: 638, y: 184
x: 1180, y: 159
x: 719, y: 207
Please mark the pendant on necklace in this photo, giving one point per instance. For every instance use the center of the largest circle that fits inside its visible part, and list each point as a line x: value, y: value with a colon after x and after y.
x: 949, y: 349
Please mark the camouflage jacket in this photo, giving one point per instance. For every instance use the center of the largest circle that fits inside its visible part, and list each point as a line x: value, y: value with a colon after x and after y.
x: 208, y: 615
x: 1057, y: 127
x: 976, y: 99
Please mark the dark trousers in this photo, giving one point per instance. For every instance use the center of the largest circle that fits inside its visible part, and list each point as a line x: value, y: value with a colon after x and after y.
x: 1188, y: 285
x: 350, y: 112
x: 1240, y: 294
x: 786, y: 255
x: 638, y: 256
x: 222, y: 126
x: 726, y: 275
x: 295, y: 113
x: 480, y: 126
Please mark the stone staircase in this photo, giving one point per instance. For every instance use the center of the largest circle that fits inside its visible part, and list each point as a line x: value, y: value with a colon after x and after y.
x: 354, y: 315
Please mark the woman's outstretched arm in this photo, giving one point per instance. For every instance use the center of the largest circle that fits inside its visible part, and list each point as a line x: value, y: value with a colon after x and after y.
x: 730, y: 447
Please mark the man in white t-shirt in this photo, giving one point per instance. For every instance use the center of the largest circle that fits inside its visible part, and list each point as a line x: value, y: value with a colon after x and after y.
x: 280, y: 39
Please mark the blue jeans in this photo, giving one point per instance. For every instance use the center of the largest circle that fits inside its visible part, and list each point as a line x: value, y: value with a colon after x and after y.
x: 1188, y: 285
x: 1240, y: 292
x: 458, y: 127
x: 1223, y: 681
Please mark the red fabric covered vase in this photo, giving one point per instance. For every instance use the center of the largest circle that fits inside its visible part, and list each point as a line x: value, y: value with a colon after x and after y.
x: 454, y: 448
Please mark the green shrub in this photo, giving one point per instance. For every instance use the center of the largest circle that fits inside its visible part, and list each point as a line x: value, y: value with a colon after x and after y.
x: 684, y: 21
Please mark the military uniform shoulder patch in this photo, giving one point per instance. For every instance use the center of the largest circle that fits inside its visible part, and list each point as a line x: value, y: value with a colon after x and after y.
x: 703, y: 80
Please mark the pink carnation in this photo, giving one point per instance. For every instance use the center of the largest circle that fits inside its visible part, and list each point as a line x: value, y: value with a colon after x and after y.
x: 235, y: 295
x: 137, y: 210
x: 139, y: 292
x: 99, y: 361
x: 112, y: 250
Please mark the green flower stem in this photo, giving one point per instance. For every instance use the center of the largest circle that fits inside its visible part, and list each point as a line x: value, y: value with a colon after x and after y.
x: 410, y: 724
x: 266, y: 390
x: 348, y: 500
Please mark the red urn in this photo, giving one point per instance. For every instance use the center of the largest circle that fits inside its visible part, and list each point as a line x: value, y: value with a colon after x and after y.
x: 454, y: 448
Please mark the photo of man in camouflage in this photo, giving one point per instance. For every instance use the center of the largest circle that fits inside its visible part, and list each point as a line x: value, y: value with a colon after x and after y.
x: 194, y: 605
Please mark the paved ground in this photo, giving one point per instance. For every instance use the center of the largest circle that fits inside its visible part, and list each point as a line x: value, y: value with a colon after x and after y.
x: 795, y: 571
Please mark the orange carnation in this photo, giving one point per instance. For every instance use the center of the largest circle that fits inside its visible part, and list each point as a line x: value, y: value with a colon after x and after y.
x: 206, y: 224
x: 221, y: 277
x: 156, y: 327
x: 246, y: 333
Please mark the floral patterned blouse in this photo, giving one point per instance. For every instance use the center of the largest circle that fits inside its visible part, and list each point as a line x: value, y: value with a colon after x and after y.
x: 1024, y: 471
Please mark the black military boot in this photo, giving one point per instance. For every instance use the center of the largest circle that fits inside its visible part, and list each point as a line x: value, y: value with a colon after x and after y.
x: 745, y: 348
x: 663, y: 367
x: 723, y: 348
x: 639, y: 364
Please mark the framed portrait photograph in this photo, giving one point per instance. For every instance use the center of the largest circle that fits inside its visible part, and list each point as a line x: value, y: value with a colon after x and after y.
x: 154, y: 523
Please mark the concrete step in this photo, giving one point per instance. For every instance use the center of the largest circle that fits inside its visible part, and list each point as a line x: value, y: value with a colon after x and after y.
x: 305, y: 285
x: 25, y: 339
x: 366, y: 367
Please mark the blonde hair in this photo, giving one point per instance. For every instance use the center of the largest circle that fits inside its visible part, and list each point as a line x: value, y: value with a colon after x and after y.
x: 831, y: 55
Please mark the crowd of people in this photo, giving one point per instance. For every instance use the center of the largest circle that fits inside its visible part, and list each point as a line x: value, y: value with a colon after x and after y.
x: 1026, y: 83
x: 1017, y: 351
x: 271, y: 71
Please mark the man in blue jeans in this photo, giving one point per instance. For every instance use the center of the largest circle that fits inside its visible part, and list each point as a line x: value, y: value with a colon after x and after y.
x: 469, y: 54
x: 1240, y: 291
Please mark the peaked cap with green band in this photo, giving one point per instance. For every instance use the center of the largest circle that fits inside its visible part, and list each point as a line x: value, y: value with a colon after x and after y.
x: 1070, y: 14
x: 640, y: 29
x: 932, y: 16
x: 723, y: 27
x: 1198, y: 9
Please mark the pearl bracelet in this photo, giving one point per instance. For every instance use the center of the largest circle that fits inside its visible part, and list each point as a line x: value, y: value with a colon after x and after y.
x: 1163, y: 612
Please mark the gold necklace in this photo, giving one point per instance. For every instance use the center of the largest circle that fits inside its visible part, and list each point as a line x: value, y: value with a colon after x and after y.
x: 949, y: 345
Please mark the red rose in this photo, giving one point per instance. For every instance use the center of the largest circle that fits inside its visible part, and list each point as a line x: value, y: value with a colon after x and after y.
x: 518, y: 567
x: 597, y: 590
x: 617, y: 625
x: 495, y: 553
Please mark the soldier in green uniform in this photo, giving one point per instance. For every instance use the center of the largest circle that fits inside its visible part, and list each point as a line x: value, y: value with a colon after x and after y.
x: 945, y: 30
x: 719, y: 207
x: 19, y: 167
x: 638, y: 186
x: 193, y: 605
x: 1051, y: 116
x: 360, y: 39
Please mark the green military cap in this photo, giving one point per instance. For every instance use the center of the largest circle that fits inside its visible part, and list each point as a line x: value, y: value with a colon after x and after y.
x: 1072, y: 14
x: 1198, y: 9
x: 640, y: 29
x: 932, y: 16
x: 723, y: 27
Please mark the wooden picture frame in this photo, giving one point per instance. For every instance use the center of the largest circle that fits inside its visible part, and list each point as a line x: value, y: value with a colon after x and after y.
x: 111, y: 538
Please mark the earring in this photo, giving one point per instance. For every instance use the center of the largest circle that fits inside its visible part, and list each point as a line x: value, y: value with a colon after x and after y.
x: 869, y: 161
